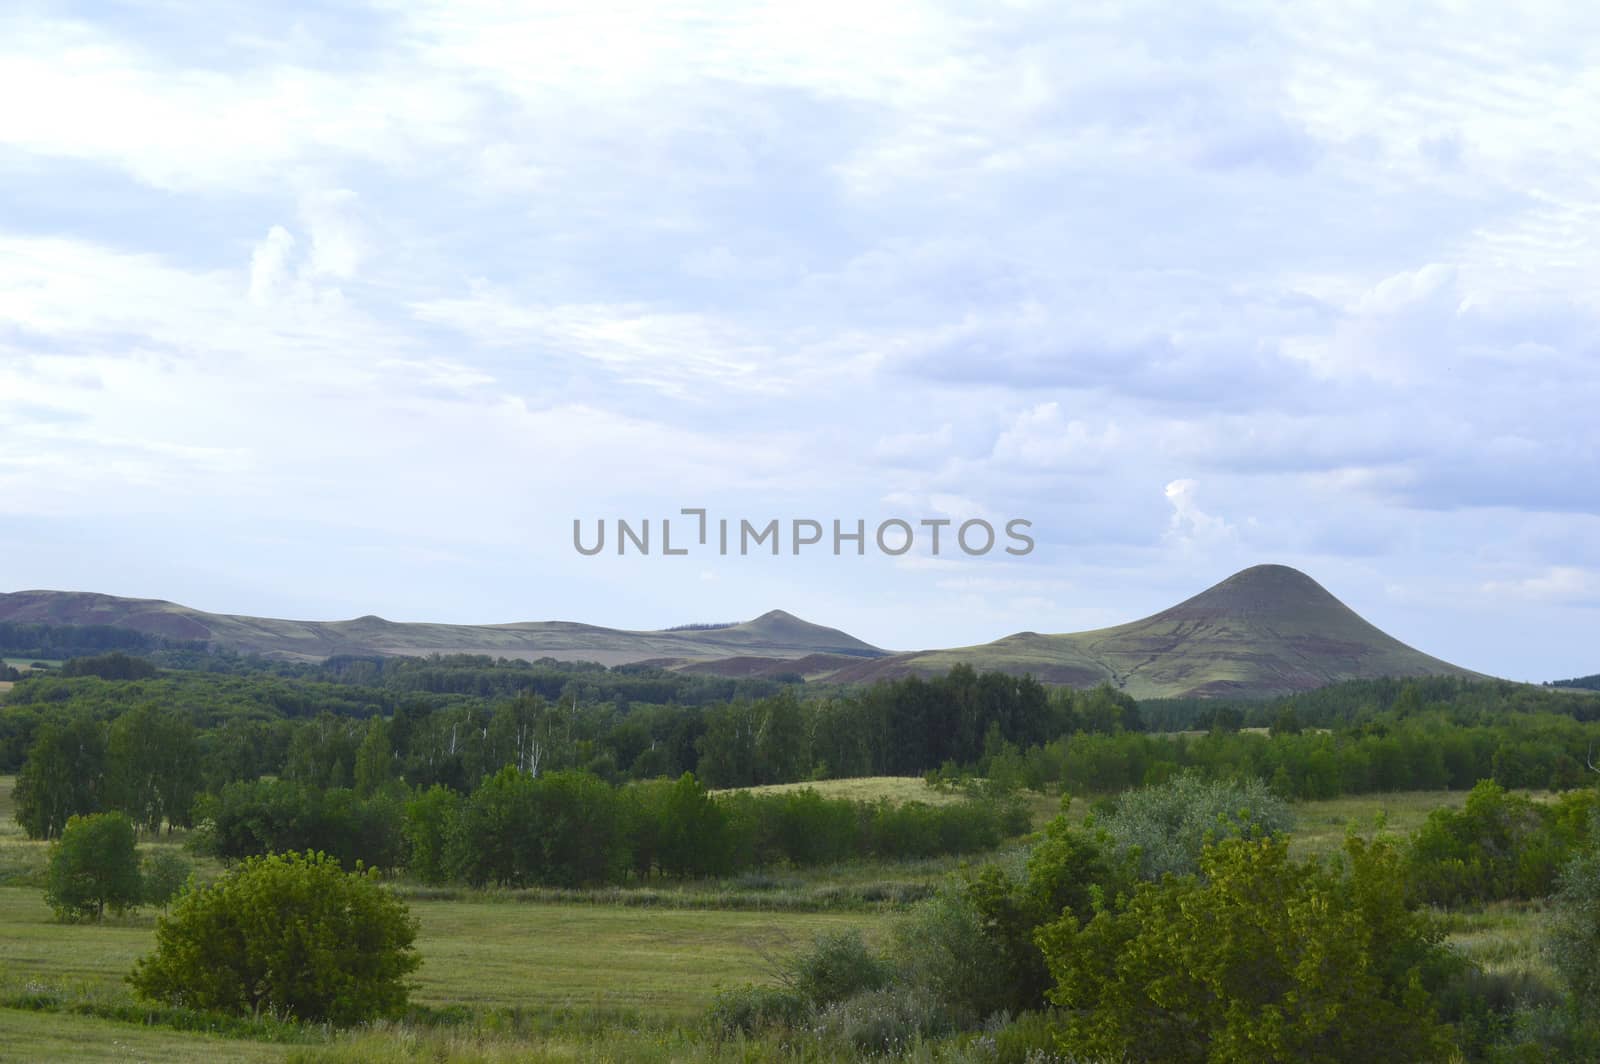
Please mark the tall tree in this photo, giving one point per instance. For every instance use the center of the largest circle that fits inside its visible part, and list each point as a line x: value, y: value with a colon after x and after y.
x: 374, y: 759
x: 153, y: 767
x: 64, y: 776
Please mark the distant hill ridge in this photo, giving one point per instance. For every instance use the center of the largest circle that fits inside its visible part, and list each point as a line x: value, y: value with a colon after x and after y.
x: 1267, y: 630
x: 775, y: 634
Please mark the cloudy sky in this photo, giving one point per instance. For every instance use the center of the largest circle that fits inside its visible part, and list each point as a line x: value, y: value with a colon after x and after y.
x: 350, y: 309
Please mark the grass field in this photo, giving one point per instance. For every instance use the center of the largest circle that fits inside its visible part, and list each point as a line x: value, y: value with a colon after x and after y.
x: 867, y: 789
x: 38, y: 1036
x: 662, y: 963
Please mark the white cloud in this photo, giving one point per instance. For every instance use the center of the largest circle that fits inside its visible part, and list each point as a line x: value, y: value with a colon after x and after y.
x: 269, y: 265
x: 1562, y: 584
x: 1043, y: 438
x: 96, y: 97
x: 1190, y: 527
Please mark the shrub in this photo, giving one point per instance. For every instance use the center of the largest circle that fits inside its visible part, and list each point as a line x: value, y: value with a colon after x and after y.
x: 1498, y: 846
x: 287, y: 934
x: 945, y: 946
x: 1170, y: 824
x: 887, y: 1021
x: 1572, y: 937
x: 838, y: 965
x: 1255, y: 958
x: 94, y: 867
x: 749, y: 1009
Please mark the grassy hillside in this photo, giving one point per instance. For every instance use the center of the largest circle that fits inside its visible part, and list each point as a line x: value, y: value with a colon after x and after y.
x: 776, y: 634
x: 1269, y: 630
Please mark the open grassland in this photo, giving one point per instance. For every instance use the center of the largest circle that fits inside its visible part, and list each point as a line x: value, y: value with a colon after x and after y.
x: 653, y: 962
x: 1503, y: 938
x: 39, y: 1036
x: 901, y: 789
x: 895, y: 789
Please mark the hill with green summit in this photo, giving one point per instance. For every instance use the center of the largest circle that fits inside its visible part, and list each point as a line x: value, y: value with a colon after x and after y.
x: 1267, y: 630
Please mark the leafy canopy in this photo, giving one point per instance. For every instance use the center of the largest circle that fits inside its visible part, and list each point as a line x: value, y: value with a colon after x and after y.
x: 94, y: 867
x: 288, y: 934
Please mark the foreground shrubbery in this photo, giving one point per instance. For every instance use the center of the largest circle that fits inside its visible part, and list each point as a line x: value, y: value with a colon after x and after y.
x: 1176, y: 927
x: 1255, y: 958
x: 289, y: 935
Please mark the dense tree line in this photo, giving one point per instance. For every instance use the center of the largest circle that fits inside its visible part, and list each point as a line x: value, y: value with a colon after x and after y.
x: 66, y: 736
x: 574, y: 829
x: 1352, y: 702
x: 1425, y: 752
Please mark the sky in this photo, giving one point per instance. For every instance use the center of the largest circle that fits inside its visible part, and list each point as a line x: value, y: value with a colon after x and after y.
x: 342, y: 309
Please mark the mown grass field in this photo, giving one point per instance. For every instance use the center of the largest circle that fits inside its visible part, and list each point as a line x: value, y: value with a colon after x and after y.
x: 898, y: 789
x: 658, y: 963
x: 37, y: 1036
x: 867, y: 789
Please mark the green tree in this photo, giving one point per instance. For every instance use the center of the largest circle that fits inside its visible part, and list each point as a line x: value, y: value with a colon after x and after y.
x: 430, y: 827
x: 781, y: 752
x: 63, y: 777
x: 374, y: 759
x: 693, y: 839
x: 94, y: 867
x: 323, y: 752
x: 497, y: 842
x: 286, y: 934
x: 153, y: 767
x: 164, y: 874
x: 728, y: 748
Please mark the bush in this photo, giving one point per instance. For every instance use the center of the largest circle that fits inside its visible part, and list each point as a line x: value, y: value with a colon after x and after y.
x: 1498, y: 846
x: 1572, y: 937
x: 94, y: 867
x: 887, y: 1021
x: 1170, y: 824
x: 1255, y: 958
x: 945, y: 947
x: 838, y: 965
x: 749, y: 1009
x: 287, y: 934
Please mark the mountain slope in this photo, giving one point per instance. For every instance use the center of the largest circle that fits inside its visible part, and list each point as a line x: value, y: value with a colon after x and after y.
x: 773, y: 635
x: 1267, y: 630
